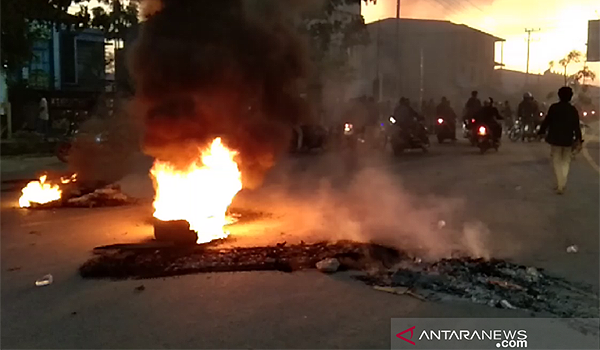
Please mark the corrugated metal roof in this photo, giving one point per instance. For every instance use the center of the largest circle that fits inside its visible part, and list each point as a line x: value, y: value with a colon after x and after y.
x: 428, y: 25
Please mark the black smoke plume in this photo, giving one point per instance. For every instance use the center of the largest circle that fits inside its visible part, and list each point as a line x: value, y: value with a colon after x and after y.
x: 220, y: 68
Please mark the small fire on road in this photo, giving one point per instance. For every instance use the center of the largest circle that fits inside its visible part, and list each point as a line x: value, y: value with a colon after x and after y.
x: 199, y: 194
x: 42, y: 192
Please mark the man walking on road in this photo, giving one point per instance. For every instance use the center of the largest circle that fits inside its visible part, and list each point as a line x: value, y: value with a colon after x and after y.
x: 564, y: 134
x: 43, y: 118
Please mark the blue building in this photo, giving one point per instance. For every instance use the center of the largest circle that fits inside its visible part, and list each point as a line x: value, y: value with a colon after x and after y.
x: 68, y: 69
x: 68, y: 61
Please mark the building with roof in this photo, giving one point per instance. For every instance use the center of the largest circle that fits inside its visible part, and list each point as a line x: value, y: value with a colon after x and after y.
x: 426, y: 59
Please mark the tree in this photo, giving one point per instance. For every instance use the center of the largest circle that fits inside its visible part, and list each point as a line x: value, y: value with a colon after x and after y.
x: 26, y: 21
x: 333, y: 32
x: 582, y: 75
x: 116, y: 23
x: 572, y: 57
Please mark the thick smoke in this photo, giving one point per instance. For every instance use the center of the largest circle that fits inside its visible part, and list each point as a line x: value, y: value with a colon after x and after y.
x: 226, y: 68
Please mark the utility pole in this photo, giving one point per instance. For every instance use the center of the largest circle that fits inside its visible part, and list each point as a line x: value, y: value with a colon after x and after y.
x: 398, y: 67
x: 529, y: 31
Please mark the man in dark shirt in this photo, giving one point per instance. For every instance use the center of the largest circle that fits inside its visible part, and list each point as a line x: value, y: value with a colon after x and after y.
x: 472, y: 106
x: 564, y: 133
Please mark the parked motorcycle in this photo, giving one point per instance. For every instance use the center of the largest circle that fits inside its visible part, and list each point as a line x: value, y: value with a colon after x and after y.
x: 444, y: 130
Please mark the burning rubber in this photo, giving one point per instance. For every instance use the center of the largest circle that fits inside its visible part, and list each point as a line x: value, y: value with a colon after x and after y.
x: 177, y: 232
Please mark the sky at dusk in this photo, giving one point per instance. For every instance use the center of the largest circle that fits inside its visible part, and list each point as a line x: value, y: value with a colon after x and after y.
x: 563, y: 24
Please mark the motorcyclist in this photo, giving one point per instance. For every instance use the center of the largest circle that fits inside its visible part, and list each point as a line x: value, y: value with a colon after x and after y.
x: 445, y: 111
x: 489, y: 115
x: 407, y: 118
x: 528, y: 111
x: 472, y: 106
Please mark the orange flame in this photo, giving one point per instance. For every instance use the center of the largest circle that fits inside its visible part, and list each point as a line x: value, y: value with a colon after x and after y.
x: 66, y: 180
x: 39, y: 192
x: 199, y: 194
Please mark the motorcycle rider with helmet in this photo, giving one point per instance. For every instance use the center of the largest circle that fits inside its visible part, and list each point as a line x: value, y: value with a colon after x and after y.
x: 489, y: 116
x: 528, y: 111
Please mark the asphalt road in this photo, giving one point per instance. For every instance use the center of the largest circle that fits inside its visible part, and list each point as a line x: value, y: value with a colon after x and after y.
x: 507, y: 196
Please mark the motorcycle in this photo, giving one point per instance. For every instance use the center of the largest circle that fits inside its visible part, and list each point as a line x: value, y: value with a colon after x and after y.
x: 468, y: 129
x: 309, y: 137
x: 485, y: 140
x: 444, y: 130
x: 403, y: 137
x: 515, y: 133
x: 64, y: 146
x: 524, y: 131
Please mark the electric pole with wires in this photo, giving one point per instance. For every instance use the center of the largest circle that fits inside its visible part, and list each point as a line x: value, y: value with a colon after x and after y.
x: 529, y: 31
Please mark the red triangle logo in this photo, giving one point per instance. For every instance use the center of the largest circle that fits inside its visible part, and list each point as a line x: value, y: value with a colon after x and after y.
x: 411, y: 329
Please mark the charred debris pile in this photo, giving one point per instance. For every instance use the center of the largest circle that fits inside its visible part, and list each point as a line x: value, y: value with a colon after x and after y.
x: 496, y: 283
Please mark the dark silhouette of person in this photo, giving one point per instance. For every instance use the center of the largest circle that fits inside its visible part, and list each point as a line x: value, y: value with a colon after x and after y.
x: 489, y: 115
x: 444, y: 110
x: 472, y: 106
x: 528, y: 111
x: 564, y: 134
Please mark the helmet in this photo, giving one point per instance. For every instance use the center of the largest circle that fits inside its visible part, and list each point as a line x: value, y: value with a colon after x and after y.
x: 527, y: 96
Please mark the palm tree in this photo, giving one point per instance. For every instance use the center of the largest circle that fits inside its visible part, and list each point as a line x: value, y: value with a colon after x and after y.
x: 550, y: 66
x: 572, y: 57
x: 584, y: 74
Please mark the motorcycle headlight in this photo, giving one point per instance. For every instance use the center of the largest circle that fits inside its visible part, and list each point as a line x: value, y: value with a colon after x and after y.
x: 99, y: 138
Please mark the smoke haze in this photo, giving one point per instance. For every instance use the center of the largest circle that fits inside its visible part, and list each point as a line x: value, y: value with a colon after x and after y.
x: 207, y: 69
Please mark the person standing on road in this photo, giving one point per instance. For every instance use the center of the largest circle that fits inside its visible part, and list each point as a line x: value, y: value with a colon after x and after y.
x: 564, y: 134
x: 43, y: 117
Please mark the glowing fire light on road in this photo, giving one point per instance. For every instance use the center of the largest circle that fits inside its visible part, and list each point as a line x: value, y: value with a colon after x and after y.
x: 66, y: 180
x: 199, y: 194
x: 39, y: 192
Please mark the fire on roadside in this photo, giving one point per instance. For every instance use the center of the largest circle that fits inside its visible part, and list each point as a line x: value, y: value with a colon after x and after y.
x: 199, y: 194
x: 39, y: 192
x: 42, y: 192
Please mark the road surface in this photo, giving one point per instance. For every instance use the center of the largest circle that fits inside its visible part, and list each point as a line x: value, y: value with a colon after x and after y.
x: 506, y: 196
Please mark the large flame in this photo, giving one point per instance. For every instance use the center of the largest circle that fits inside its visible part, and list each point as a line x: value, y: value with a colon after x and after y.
x: 199, y: 194
x: 39, y: 192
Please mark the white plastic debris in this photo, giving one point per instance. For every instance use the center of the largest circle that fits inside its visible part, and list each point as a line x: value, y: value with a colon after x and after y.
x: 505, y: 304
x: 44, y: 281
x: 328, y: 265
x: 441, y: 224
x: 572, y: 249
x: 533, y: 274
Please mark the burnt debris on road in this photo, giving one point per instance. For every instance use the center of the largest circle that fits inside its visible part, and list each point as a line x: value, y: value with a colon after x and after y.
x: 496, y: 283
